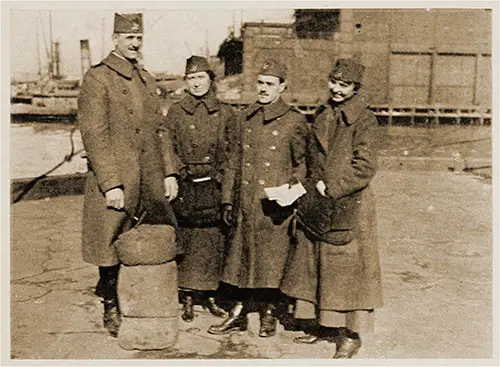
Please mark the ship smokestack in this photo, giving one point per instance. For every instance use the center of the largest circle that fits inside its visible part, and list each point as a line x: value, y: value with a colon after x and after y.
x: 85, y: 56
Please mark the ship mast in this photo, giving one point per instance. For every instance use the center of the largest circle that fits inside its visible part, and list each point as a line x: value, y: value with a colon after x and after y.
x: 38, y: 51
x: 51, y: 63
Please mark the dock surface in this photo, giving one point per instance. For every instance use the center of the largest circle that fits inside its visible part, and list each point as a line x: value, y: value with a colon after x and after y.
x: 435, y: 241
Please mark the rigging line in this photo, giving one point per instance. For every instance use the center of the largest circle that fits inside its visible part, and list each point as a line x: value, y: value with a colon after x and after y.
x: 47, y: 54
x: 68, y: 157
x: 460, y: 142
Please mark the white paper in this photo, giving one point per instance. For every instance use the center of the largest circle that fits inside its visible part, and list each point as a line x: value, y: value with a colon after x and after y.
x: 285, y: 195
x: 202, y: 179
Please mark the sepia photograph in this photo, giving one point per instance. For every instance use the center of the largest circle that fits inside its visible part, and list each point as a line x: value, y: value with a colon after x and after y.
x: 222, y: 182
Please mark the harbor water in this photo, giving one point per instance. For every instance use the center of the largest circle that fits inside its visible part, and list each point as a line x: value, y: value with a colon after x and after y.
x: 37, y: 147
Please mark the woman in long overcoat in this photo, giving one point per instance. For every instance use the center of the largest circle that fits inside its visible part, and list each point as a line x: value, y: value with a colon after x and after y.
x: 199, y: 125
x: 335, y: 263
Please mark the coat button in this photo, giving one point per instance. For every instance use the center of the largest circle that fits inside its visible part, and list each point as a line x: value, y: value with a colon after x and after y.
x: 275, y: 132
x: 244, y: 182
x: 131, y: 111
x: 267, y: 164
x: 248, y: 164
x: 247, y: 146
x: 138, y: 131
x: 206, y: 159
x: 192, y: 127
x: 249, y: 130
x: 125, y: 91
x: 272, y: 147
x: 262, y: 182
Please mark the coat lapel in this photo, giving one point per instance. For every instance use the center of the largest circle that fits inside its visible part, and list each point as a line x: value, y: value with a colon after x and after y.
x: 321, y: 126
x: 119, y: 64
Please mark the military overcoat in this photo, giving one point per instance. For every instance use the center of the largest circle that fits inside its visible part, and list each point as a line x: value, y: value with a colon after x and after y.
x: 270, y: 152
x: 346, y: 274
x: 119, y: 115
x: 201, y: 130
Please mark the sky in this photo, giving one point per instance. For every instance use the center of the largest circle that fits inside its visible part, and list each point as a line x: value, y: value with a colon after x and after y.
x: 173, y: 31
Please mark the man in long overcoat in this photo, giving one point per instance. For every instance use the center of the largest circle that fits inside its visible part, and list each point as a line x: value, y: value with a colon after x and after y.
x: 129, y: 162
x: 335, y: 263
x: 201, y: 128
x: 271, y: 152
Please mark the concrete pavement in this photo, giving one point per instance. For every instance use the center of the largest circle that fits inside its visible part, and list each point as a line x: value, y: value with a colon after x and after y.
x: 435, y: 240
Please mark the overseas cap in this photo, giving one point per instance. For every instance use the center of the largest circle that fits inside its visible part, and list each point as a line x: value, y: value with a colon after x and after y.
x: 348, y: 70
x: 273, y: 68
x: 196, y: 64
x: 128, y: 23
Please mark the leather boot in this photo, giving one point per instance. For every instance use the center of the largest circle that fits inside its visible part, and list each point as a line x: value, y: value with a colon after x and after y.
x: 237, y: 321
x: 214, y: 308
x: 188, y: 309
x: 348, y: 345
x: 268, y: 323
x: 112, y: 317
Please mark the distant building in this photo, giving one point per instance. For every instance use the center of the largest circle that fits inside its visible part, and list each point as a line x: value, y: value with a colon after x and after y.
x: 413, y: 57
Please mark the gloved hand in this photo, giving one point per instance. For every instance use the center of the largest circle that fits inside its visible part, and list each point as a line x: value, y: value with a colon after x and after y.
x: 293, y: 181
x: 227, y: 214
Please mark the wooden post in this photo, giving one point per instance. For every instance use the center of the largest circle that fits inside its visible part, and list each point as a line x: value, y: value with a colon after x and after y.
x: 477, y: 72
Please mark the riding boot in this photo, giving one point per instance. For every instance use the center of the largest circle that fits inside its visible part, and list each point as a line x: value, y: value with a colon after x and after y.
x: 111, y: 316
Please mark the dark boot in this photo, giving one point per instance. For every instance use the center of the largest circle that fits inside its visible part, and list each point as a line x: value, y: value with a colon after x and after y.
x: 188, y: 309
x: 214, y: 308
x: 237, y: 321
x: 348, y: 344
x: 268, y: 323
x: 112, y: 318
x: 108, y: 279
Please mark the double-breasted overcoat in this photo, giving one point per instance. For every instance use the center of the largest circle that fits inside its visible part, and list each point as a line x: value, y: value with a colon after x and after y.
x: 270, y: 151
x: 119, y: 115
x: 201, y: 130
x: 342, y: 270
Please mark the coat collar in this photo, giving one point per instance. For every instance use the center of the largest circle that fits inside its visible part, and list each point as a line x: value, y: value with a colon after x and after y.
x: 350, y: 112
x: 189, y: 102
x: 123, y: 66
x: 352, y: 109
x: 119, y: 64
x: 271, y: 111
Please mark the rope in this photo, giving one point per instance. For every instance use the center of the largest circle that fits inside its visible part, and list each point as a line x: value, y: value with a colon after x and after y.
x: 67, y: 158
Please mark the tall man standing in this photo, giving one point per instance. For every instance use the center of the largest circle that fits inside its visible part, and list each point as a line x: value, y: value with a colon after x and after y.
x: 271, y: 152
x: 129, y: 161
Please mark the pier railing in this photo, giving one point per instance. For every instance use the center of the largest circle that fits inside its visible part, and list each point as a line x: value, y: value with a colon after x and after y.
x: 412, y: 114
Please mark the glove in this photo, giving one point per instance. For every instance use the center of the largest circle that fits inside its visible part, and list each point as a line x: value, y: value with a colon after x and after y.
x: 227, y: 214
x: 293, y: 181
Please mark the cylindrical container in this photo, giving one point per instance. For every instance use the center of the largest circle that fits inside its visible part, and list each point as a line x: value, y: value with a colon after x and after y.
x: 148, y: 301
